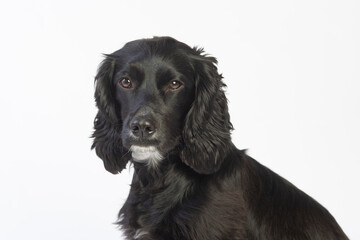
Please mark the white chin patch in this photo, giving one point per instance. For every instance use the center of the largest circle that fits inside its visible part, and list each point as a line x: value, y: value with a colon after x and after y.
x: 148, y: 154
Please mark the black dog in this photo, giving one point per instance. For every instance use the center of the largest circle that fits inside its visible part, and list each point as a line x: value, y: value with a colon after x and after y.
x: 162, y: 106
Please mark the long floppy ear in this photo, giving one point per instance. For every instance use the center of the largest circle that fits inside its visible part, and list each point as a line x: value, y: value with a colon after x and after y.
x: 107, y: 135
x: 206, y: 133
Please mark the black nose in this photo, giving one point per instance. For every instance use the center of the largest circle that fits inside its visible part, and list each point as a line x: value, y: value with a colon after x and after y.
x: 142, y: 127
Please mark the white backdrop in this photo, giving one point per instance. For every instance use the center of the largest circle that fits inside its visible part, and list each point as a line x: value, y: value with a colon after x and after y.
x: 292, y: 70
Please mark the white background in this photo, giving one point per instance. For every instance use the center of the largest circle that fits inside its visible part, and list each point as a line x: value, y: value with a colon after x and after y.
x: 292, y: 70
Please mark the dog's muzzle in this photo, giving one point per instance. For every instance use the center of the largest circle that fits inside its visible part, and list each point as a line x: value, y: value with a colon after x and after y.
x: 148, y: 154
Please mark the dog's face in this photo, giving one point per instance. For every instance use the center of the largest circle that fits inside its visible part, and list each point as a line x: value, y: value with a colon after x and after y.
x: 157, y: 96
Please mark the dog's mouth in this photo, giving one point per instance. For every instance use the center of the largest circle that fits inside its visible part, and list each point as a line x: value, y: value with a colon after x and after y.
x: 145, y: 154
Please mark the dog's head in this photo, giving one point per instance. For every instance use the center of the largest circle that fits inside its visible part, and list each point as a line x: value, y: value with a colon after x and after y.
x: 159, y: 96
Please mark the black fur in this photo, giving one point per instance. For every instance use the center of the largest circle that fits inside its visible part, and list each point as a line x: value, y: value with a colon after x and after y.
x: 202, y: 187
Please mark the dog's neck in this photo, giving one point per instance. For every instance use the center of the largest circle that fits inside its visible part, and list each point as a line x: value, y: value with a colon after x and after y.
x: 152, y: 178
x: 153, y: 187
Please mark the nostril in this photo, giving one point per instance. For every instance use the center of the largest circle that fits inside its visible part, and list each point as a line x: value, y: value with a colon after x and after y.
x: 135, y: 129
x: 149, y: 130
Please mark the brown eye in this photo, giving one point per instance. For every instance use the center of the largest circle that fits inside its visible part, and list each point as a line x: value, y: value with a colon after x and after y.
x: 125, y: 83
x: 174, y: 85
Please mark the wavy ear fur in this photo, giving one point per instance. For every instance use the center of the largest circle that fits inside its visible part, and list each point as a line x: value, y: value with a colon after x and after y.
x: 206, y: 133
x: 107, y: 135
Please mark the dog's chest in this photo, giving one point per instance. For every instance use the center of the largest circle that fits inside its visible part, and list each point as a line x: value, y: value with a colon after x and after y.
x: 194, y: 218
x: 183, y: 209
x: 159, y: 215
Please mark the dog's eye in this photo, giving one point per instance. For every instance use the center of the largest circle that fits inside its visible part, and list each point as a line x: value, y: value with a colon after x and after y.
x: 125, y: 83
x: 174, y: 84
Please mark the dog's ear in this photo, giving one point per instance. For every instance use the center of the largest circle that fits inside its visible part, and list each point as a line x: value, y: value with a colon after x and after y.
x: 108, y: 126
x: 104, y: 95
x: 206, y: 134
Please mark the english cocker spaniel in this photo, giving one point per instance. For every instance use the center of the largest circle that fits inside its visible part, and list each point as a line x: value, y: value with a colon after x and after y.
x: 162, y: 107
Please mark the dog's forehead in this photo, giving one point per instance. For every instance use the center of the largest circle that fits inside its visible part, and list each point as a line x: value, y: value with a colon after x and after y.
x: 154, y: 65
x: 154, y: 54
x: 162, y: 45
x: 151, y: 63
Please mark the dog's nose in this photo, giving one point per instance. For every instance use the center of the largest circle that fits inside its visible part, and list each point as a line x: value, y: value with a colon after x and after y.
x: 142, y: 127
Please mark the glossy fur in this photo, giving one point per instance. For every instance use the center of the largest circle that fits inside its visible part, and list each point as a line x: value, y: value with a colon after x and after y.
x: 190, y: 181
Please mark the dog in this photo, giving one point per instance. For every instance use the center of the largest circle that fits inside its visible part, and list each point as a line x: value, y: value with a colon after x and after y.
x: 162, y: 107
